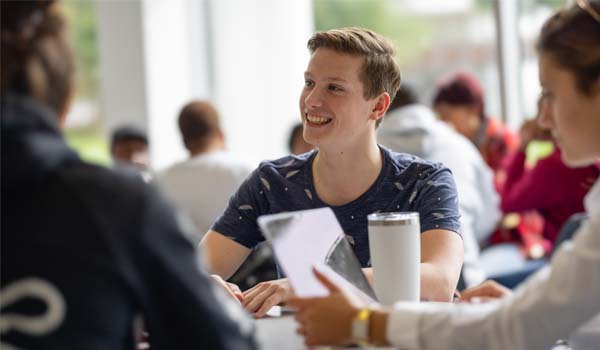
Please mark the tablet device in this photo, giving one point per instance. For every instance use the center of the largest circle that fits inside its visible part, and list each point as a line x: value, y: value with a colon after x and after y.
x: 311, y: 238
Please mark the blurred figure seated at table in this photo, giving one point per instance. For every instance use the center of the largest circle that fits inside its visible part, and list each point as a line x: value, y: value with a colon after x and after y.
x: 540, y: 193
x: 348, y: 84
x: 558, y: 301
x: 201, y: 185
x: 129, y: 150
x: 87, y: 251
x: 549, y: 187
x: 459, y: 101
x: 411, y: 127
x: 296, y: 143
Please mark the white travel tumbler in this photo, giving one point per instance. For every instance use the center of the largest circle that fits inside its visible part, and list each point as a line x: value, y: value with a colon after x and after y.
x: 395, y: 244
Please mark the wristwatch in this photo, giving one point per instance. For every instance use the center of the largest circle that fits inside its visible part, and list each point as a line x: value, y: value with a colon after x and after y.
x: 360, y: 327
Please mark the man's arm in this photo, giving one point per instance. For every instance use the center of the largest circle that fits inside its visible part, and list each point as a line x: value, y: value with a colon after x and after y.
x: 222, y: 255
x: 441, y: 261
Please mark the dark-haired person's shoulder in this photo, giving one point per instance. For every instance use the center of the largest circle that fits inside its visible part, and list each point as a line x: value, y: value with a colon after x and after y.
x: 98, y: 181
x: 107, y: 195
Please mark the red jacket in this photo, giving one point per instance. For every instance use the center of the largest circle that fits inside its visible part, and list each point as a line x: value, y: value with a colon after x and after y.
x: 550, y: 187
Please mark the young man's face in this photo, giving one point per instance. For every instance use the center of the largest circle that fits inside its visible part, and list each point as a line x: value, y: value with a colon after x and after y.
x: 332, y: 105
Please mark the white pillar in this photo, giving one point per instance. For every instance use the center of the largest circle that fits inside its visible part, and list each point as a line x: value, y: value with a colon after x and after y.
x: 122, y: 71
x: 167, y: 38
x: 507, y: 25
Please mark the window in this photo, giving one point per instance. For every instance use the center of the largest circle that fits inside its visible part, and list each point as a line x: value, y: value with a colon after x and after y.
x: 85, y: 129
x: 433, y: 38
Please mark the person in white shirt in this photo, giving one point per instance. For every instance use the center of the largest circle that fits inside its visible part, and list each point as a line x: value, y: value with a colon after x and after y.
x: 411, y: 127
x: 554, y: 302
x: 201, y: 185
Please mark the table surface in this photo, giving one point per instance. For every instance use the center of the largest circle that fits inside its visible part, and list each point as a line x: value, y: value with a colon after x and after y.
x: 279, y: 333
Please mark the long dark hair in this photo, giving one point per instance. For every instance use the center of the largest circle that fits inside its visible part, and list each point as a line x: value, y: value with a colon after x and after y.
x: 36, y: 59
x: 572, y: 38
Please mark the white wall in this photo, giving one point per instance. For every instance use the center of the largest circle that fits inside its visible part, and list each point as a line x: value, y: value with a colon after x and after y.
x: 168, y: 65
x: 259, y: 59
x: 247, y: 56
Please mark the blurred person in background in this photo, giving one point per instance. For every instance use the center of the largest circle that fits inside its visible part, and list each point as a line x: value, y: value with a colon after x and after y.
x: 459, y: 101
x: 296, y: 143
x: 129, y: 150
x: 549, y: 187
x: 559, y: 300
x: 411, y: 127
x: 202, y: 184
x: 87, y: 251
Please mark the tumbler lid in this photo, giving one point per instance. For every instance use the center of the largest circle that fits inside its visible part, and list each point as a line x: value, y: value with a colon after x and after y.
x: 393, y: 219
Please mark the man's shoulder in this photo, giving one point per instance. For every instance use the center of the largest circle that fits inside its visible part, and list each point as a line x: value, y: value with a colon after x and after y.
x: 404, y: 161
x: 287, y: 166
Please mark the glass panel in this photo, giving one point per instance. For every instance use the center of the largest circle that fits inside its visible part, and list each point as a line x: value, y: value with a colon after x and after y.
x: 85, y: 129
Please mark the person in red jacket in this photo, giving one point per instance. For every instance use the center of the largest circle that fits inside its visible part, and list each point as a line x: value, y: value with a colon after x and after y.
x: 550, y: 188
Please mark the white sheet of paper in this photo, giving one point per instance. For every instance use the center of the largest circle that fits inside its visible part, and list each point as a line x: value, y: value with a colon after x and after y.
x: 305, y: 245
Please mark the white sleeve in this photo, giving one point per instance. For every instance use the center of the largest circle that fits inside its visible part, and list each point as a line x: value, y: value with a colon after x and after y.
x: 550, y: 306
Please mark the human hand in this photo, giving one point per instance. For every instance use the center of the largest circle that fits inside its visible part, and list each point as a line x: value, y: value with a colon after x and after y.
x: 260, y: 298
x: 231, y: 289
x: 484, y: 292
x: 531, y: 130
x: 326, y: 320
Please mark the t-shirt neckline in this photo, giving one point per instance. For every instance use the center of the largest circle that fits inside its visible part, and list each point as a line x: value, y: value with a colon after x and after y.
x: 367, y: 194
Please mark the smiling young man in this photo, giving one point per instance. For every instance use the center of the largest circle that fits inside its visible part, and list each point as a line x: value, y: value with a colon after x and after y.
x: 348, y: 83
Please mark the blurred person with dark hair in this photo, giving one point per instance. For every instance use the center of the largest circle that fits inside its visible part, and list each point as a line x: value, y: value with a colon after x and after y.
x: 129, y: 150
x: 296, y: 143
x: 559, y: 300
x: 129, y: 145
x: 459, y: 101
x: 86, y: 251
x: 202, y: 184
x: 411, y: 127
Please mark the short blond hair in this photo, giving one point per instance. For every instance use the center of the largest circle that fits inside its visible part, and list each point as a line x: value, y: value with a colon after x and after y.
x: 380, y: 71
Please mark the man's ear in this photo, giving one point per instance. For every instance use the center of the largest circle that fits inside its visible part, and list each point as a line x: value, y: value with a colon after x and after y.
x: 382, y: 103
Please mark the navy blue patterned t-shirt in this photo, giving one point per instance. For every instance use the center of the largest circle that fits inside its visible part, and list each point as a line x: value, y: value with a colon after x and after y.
x: 405, y: 183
